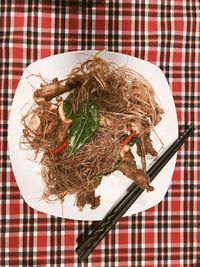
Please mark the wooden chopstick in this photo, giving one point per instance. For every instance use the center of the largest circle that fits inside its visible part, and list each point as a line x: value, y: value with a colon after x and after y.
x: 103, y: 227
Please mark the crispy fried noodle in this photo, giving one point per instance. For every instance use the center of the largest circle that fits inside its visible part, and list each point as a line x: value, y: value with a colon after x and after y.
x: 85, y: 126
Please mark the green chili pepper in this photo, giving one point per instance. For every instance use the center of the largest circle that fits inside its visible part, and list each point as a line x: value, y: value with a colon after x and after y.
x: 67, y: 107
x: 134, y: 141
x: 85, y: 124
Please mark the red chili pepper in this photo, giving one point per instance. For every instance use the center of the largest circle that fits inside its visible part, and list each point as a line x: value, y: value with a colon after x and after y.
x: 59, y: 148
x: 127, y: 139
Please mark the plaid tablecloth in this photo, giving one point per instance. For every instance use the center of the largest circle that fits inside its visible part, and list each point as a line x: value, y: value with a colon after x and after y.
x: 166, y: 33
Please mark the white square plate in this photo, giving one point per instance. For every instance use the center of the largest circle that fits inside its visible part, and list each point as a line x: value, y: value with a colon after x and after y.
x: 27, y: 172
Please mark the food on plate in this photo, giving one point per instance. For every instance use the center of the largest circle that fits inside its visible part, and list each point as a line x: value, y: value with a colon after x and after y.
x: 85, y: 127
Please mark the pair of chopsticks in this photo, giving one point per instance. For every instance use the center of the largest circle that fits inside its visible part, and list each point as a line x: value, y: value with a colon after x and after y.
x: 103, y: 227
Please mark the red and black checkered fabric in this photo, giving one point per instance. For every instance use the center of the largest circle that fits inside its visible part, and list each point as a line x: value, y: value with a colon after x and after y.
x: 166, y: 33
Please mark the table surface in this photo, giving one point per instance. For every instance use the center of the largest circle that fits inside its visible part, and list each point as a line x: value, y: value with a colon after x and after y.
x: 166, y: 33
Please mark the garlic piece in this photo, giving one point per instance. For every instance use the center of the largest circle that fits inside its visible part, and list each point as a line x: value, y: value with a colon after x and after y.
x: 62, y: 114
x: 124, y: 150
x: 34, y: 122
x: 104, y: 121
x: 135, y: 128
x: 39, y: 100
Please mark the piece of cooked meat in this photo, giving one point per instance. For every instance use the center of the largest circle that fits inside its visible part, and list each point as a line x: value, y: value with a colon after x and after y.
x: 88, y: 198
x: 55, y: 88
x: 129, y: 158
x: 159, y: 112
x: 147, y: 146
x: 128, y: 168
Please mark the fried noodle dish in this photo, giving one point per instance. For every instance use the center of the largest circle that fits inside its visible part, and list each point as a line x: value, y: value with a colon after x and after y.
x: 85, y: 126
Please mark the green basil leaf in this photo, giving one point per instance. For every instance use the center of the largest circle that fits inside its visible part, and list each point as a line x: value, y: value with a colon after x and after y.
x: 67, y: 107
x: 85, y: 124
